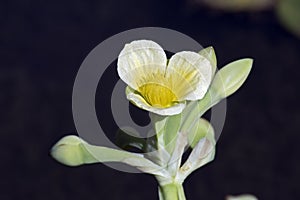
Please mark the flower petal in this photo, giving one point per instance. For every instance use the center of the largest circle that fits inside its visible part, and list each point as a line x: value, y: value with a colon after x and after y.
x: 140, y: 102
x: 138, y: 60
x: 190, y: 75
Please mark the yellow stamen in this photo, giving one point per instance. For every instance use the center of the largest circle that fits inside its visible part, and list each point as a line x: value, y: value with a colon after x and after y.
x: 157, y: 95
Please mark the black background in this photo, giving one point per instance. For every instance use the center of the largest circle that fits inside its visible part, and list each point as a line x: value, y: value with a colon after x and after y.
x: 42, y: 44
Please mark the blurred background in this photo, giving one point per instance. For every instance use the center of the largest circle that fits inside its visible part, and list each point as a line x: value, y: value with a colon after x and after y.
x: 42, y: 45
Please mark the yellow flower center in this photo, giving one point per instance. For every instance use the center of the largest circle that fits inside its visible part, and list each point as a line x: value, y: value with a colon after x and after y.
x: 157, y: 95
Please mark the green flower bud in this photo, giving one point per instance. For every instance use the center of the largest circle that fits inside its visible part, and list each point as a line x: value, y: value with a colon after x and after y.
x: 68, y: 151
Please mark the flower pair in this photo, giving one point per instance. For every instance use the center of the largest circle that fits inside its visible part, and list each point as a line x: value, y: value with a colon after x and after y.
x: 159, y: 85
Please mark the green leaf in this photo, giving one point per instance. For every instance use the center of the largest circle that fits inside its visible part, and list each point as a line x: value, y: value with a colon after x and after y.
x: 227, y: 81
x: 230, y: 78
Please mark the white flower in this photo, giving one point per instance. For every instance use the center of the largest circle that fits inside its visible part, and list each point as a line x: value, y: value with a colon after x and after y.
x: 158, y: 85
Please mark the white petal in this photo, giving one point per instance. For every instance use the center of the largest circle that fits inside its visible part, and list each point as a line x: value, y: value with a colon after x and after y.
x: 138, y: 60
x: 190, y: 73
x: 140, y: 102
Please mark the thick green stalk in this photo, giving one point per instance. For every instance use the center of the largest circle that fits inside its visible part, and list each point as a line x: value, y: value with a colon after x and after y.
x: 172, y: 191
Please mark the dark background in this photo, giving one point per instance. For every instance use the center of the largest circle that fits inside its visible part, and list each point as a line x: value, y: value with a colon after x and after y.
x: 42, y: 44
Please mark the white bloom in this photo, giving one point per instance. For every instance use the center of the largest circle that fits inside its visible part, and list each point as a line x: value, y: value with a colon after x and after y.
x: 158, y: 85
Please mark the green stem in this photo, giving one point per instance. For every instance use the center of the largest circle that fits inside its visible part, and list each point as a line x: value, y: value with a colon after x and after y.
x: 172, y: 191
